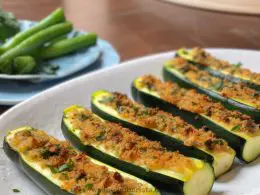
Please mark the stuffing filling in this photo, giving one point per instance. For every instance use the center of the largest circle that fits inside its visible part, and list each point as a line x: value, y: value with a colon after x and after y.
x: 237, y: 91
x: 202, y: 57
x: 77, y: 173
x: 127, y: 145
x: 192, y: 101
x: 164, y: 122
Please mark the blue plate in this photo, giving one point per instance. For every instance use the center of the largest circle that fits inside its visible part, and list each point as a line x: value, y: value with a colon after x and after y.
x: 13, y: 92
x: 68, y: 64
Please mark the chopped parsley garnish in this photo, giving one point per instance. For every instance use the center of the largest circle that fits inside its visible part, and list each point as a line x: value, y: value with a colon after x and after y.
x: 83, y: 117
x: 66, y: 167
x: 16, y: 190
x: 89, y: 186
x: 54, y: 169
x: 236, y: 128
x: 238, y: 65
x: 46, y: 153
x: 211, y: 143
x: 101, y: 136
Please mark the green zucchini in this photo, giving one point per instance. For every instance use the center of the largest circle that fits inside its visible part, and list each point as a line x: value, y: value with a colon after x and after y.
x: 220, y: 68
x: 170, y: 73
x: 176, y: 181
x: 220, y: 160
x: 246, y: 145
x: 46, y: 179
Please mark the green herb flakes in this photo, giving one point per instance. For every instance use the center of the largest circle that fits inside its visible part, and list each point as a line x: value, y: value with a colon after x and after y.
x: 238, y: 65
x: 236, y: 128
x: 88, y: 186
x: 101, y: 136
x: 15, y: 190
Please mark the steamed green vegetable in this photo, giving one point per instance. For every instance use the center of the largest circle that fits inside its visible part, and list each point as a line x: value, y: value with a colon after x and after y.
x: 24, y: 65
x: 34, y: 42
x: 54, y: 18
x: 9, y: 26
x: 69, y: 45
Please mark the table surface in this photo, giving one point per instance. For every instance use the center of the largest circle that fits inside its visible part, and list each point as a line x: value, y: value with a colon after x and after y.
x: 137, y: 28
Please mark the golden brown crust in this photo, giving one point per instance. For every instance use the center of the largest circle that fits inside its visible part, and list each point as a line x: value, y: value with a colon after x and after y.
x: 128, y: 145
x: 75, y: 169
x: 165, y: 122
x: 191, y: 100
x: 238, y: 91
x: 204, y: 58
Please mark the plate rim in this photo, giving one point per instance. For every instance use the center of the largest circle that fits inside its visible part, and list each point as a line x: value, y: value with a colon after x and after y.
x: 120, y: 65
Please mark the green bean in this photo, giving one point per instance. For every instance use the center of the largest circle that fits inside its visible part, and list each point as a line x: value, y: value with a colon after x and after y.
x: 55, y: 17
x: 35, y: 41
x: 7, y: 66
x: 57, y: 39
x: 24, y: 65
x: 68, y: 45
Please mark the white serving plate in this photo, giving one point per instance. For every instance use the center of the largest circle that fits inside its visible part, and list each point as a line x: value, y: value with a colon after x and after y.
x: 44, y: 111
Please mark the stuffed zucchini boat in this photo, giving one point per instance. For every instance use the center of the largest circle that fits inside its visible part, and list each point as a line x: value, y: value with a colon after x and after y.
x: 238, y: 129
x: 171, y: 131
x: 60, y: 169
x: 124, y: 149
x: 221, y: 68
x: 236, y: 96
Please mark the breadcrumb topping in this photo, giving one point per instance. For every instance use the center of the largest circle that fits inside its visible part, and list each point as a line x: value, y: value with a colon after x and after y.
x: 202, y: 57
x: 78, y: 174
x: 237, y: 91
x: 165, y: 122
x: 192, y: 101
x: 127, y: 145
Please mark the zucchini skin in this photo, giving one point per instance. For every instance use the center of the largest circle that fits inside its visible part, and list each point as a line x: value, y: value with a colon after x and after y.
x: 163, y: 183
x: 236, y: 142
x: 221, y: 75
x: 168, y: 142
x: 227, y: 102
x: 46, y: 185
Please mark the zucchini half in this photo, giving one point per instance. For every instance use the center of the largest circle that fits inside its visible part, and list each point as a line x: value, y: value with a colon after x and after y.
x: 220, y: 160
x: 165, y: 179
x: 230, y: 72
x: 46, y: 180
x: 172, y: 74
x: 247, y: 148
